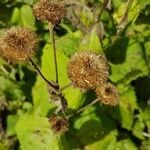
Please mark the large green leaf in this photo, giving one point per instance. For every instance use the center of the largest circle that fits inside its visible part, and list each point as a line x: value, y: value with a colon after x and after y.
x: 92, y: 125
x: 34, y: 133
x: 125, y: 144
x: 133, y: 66
x: 107, y: 143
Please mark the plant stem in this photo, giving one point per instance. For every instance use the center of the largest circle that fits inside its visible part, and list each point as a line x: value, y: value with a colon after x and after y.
x: 122, y: 23
x: 51, y: 29
x: 102, y: 9
x: 66, y: 86
x: 31, y: 62
x: 85, y: 107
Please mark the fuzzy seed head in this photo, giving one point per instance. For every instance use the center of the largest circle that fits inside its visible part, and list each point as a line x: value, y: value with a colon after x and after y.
x: 87, y: 70
x: 51, y: 11
x: 59, y: 125
x: 108, y: 94
x: 18, y: 44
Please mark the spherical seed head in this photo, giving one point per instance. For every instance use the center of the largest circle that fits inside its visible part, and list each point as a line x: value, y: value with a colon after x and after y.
x: 51, y: 11
x: 87, y: 70
x: 108, y: 94
x: 18, y: 44
x: 58, y: 124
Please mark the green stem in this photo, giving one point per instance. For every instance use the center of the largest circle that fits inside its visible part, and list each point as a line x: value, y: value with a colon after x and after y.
x: 31, y: 62
x: 85, y: 107
x: 66, y: 86
x: 51, y: 29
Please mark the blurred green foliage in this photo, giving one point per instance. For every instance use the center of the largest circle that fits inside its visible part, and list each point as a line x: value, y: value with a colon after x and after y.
x: 24, y: 101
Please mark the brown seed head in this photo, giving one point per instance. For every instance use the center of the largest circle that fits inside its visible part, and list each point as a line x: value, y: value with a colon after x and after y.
x: 18, y: 44
x: 58, y: 124
x: 87, y: 70
x: 51, y: 11
x: 108, y: 94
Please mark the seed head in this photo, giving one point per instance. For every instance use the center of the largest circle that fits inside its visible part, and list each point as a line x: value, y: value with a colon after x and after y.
x: 51, y: 11
x: 58, y: 124
x: 108, y: 94
x: 18, y: 44
x: 87, y: 70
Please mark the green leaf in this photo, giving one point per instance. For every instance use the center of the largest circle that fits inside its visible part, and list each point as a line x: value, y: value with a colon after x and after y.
x: 134, y: 65
x: 34, y: 133
x: 11, y: 90
x: 29, y: 2
x: 133, y: 12
x: 125, y: 144
x: 144, y: 3
x: 3, y: 146
x: 91, y: 41
x: 68, y: 44
x: 107, y: 143
x: 92, y: 126
x: 11, y: 123
x: 145, y: 145
x: 146, y: 116
x: 138, y: 127
x: 27, y: 17
x: 15, y: 16
x: 127, y: 106
x: 41, y: 101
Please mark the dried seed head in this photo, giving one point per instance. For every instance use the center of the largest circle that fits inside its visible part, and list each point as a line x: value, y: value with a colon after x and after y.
x: 51, y: 11
x: 108, y: 94
x: 58, y: 124
x: 87, y: 70
x: 18, y: 44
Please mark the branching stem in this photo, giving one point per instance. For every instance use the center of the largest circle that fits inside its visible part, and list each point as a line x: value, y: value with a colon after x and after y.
x: 66, y: 86
x: 102, y: 8
x: 31, y: 62
x: 83, y: 108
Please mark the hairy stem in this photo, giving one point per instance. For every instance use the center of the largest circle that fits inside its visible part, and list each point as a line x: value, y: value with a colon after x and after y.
x: 51, y: 29
x: 66, y: 86
x: 122, y: 23
x: 31, y: 62
x: 85, y: 107
x: 105, y: 2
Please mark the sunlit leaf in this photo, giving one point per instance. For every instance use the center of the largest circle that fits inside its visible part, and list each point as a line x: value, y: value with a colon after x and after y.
x: 35, y: 133
x: 134, y: 65
x: 107, y: 143
x: 125, y: 145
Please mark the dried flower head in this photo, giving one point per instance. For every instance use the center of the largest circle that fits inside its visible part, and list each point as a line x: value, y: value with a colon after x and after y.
x: 58, y: 124
x: 87, y: 70
x: 51, y: 11
x: 108, y: 94
x: 18, y: 44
